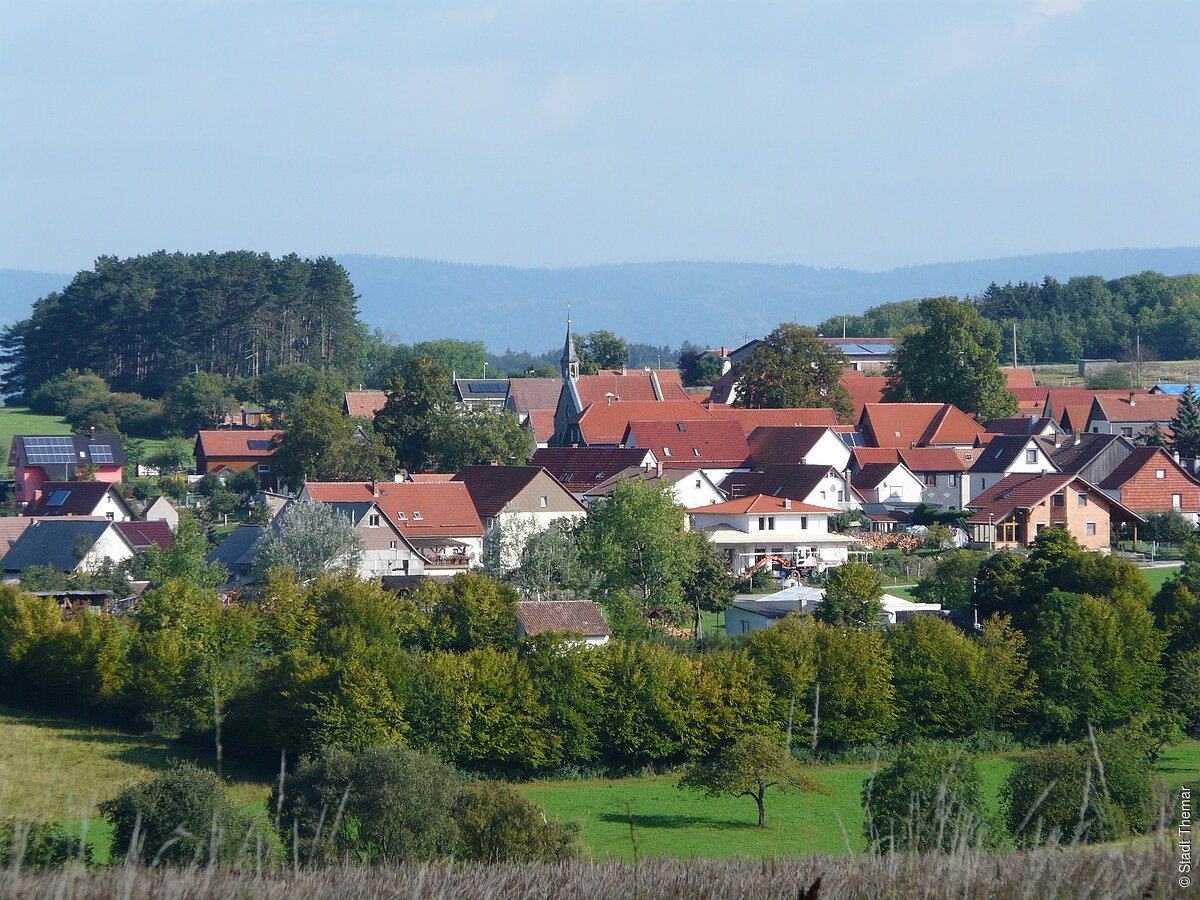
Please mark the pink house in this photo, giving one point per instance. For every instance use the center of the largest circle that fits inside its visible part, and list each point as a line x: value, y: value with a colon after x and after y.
x: 37, y: 458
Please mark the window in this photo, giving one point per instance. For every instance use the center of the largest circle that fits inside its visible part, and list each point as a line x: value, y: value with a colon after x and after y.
x: 373, y: 520
x: 930, y: 479
x: 1095, y: 429
x: 1031, y: 456
x: 804, y: 523
x: 745, y: 626
x: 417, y: 516
x: 1127, y: 431
x: 401, y: 516
x: 770, y: 523
x: 1060, y: 500
x: 264, y: 467
x: 543, y: 502
x: 1160, y: 473
x: 1081, y: 499
x: 697, y: 484
x: 696, y: 450
x: 953, y: 478
x: 666, y: 451
x: 841, y: 496
x: 822, y: 495
x: 392, y: 545
x: 1177, y: 501
x: 762, y: 523
x: 1091, y: 528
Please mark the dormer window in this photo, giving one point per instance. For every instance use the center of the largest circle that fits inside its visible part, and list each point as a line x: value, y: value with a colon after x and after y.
x: 666, y: 451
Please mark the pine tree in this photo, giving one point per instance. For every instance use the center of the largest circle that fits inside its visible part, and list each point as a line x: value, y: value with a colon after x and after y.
x: 1185, y: 427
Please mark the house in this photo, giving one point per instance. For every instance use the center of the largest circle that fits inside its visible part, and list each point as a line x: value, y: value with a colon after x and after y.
x: 750, y: 419
x: 1011, y: 512
x: 526, y: 395
x: 364, y: 404
x: 514, y: 502
x: 386, y: 550
x: 1006, y: 455
x: 1069, y: 406
x: 236, y: 554
x: 571, y: 617
x: 438, y: 518
x: 38, y: 458
x: 814, y: 485
x: 903, y: 425
x: 716, y: 447
x: 1042, y: 426
x: 690, y: 487
x: 889, y: 484
x: 11, y: 528
x: 941, y: 470
x: 161, y: 510
x: 1130, y: 414
x: 1090, y: 456
x: 481, y: 393
x: 759, y: 530
x: 864, y: 354
x: 1173, y: 389
x: 745, y: 616
x: 774, y: 445
x: 1149, y: 480
x: 145, y: 535
x: 237, y: 450
x: 97, y: 499
x: 67, y: 545
x: 604, y: 424
x: 580, y: 469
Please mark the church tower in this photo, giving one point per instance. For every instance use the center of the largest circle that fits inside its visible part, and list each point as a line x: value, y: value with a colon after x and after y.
x: 569, y: 363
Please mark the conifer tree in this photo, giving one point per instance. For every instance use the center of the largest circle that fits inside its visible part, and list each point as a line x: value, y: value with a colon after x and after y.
x: 1185, y: 427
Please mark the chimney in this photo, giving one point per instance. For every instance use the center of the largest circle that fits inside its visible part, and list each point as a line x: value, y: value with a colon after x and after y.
x: 787, y: 502
x: 1078, y: 438
x: 374, y: 487
x: 1176, y: 457
x: 659, y: 469
x: 1132, y: 399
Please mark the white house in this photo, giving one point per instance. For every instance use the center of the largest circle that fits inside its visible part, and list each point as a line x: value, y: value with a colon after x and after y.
x: 161, y: 510
x: 891, y: 484
x: 1008, y: 455
x: 775, y: 531
x: 814, y: 485
x: 690, y: 487
x: 798, y: 445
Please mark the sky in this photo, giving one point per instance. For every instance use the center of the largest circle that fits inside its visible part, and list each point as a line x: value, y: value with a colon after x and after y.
x: 866, y: 135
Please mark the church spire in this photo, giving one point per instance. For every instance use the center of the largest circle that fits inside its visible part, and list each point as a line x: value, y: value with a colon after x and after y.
x: 569, y: 363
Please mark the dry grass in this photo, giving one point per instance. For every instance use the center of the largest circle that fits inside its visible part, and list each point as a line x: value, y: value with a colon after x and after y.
x: 1102, y: 875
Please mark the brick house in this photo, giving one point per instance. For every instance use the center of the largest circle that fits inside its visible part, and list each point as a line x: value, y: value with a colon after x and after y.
x: 1149, y: 480
x: 1010, y: 513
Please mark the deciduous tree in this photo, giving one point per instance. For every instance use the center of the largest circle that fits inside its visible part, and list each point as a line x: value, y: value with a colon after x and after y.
x: 793, y: 368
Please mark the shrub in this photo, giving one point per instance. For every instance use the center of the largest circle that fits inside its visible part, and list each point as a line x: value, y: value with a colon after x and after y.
x: 184, y: 817
x: 930, y: 798
x: 42, y: 846
x: 497, y: 824
x: 383, y: 805
x: 1061, y: 792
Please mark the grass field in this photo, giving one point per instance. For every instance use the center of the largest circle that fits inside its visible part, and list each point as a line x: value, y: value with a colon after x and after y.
x: 18, y: 420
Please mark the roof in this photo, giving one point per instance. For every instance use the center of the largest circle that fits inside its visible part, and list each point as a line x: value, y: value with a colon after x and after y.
x: 481, y: 388
x: 562, y: 616
x: 71, y: 498
x: 144, y: 535
x: 11, y: 528
x: 364, y: 404
x: 691, y: 443
x: 1135, y: 462
x: 237, y: 551
x: 1137, y: 408
x: 1002, y: 451
x: 430, y: 477
x: 582, y: 467
x: 1018, y: 378
x: 796, y: 482
x: 760, y: 503
x: 528, y: 394
x: 417, y: 509
x: 53, y: 543
x: 650, y: 476
x: 252, y: 443
x: 782, y: 444
x: 917, y: 424
x: 634, y: 385
x: 769, y: 609
x: 869, y: 476
x: 1074, y: 455
x: 1171, y: 388
x: 1020, y: 425
x: 751, y: 419
x: 917, y: 459
x: 1064, y: 403
x: 863, y: 389
x: 1015, y: 492
x: 723, y: 388
x: 493, y: 487
x: 60, y: 454
x: 605, y: 422
x: 541, y: 421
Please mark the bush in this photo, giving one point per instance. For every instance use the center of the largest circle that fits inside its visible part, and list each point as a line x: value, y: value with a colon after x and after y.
x: 929, y: 799
x: 184, y: 817
x: 1059, y: 793
x: 1168, y: 527
x: 383, y: 805
x: 497, y: 824
x: 41, y: 846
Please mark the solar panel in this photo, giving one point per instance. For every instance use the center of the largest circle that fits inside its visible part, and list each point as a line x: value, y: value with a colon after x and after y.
x: 49, y: 450
x: 877, y: 348
x: 58, y: 498
x: 101, y: 453
x: 259, y: 445
x: 487, y: 387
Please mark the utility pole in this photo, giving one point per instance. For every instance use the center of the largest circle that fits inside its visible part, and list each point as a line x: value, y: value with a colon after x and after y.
x: 1014, y: 343
x: 843, y: 328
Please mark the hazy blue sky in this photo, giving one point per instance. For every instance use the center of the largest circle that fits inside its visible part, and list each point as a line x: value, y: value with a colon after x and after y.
x: 867, y: 135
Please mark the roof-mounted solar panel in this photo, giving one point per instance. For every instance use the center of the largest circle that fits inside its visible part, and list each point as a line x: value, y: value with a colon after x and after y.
x: 101, y: 453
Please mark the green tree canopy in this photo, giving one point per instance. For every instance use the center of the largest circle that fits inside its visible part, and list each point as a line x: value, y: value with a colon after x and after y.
x: 792, y: 368
x: 310, y: 539
x: 322, y: 444
x: 853, y: 596
x: 602, y: 350
x: 1185, y: 425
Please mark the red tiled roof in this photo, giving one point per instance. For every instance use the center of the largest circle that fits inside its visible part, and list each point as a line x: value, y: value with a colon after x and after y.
x: 605, y: 423
x: 782, y: 445
x: 751, y: 419
x: 235, y: 442
x: 418, y: 509
x: 144, y: 535
x: 364, y: 404
x: 431, y: 477
x: 635, y: 385
x: 542, y: 423
x: 530, y: 394
x: 917, y: 424
x: 1018, y: 378
x: 760, y: 503
x: 918, y: 459
x: 691, y: 443
x: 493, y: 487
x: 863, y: 389
x: 1138, y: 460
x: 1015, y: 492
x: 1066, y: 403
x: 1143, y: 408
x: 579, y: 468
x: 561, y: 616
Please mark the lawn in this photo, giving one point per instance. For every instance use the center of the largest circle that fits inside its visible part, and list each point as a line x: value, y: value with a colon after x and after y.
x: 19, y: 420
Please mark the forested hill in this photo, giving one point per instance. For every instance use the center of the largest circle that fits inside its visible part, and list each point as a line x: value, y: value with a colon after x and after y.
x: 145, y: 322
x: 1063, y: 321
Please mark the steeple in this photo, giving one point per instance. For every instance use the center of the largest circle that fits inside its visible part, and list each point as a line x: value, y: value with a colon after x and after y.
x: 569, y: 363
